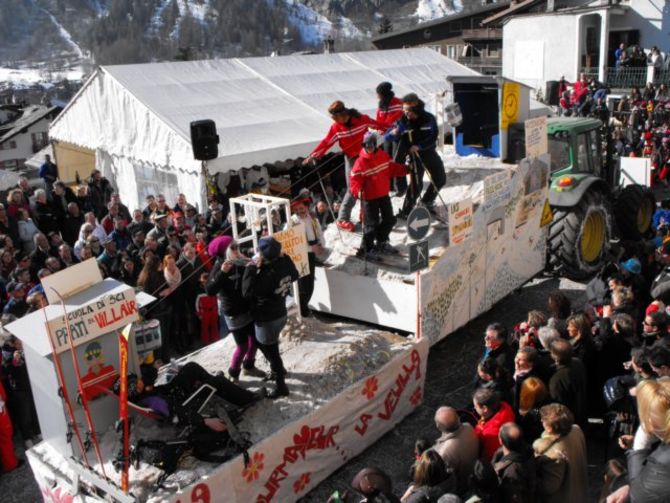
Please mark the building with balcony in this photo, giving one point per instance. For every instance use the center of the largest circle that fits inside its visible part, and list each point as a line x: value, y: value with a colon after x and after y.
x: 23, y: 132
x: 460, y: 37
x: 563, y: 41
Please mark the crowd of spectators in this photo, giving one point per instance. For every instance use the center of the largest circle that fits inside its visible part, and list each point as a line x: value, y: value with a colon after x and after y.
x: 161, y: 249
x: 600, y: 371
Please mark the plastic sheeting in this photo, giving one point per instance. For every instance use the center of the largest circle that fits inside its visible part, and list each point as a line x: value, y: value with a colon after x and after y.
x: 266, y: 109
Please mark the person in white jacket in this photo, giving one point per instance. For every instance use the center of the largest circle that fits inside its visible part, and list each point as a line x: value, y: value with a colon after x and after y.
x: 27, y: 230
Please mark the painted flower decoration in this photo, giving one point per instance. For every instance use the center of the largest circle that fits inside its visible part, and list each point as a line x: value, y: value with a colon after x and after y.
x: 370, y: 387
x: 253, y: 470
x: 300, y: 484
x: 416, y: 396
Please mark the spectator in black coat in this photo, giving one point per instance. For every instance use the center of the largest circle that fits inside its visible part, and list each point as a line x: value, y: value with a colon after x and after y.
x: 99, y: 193
x: 45, y: 219
x: 498, y: 348
x: 72, y: 224
x: 568, y: 384
x: 514, y: 464
x: 266, y: 283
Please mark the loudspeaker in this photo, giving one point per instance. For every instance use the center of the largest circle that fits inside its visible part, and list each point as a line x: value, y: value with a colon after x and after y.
x: 551, y: 94
x: 204, y: 140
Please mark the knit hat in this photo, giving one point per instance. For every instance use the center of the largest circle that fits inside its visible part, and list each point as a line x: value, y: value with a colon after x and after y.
x: 384, y: 89
x: 269, y: 247
x: 632, y: 265
x: 371, y: 481
x: 411, y: 99
x: 217, y: 247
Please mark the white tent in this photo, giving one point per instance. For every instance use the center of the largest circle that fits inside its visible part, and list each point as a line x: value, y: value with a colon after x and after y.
x: 136, y: 117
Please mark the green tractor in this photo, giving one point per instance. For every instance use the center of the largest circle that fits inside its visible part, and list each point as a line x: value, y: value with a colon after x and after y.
x: 590, y: 204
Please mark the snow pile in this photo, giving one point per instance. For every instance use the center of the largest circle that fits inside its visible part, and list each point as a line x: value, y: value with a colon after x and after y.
x: 465, y: 179
x: 322, y: 359
x: 427, y: 10
x: 315, y: 27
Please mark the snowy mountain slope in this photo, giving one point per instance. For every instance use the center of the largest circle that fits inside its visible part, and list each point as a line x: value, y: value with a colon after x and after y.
x: 427, y: 10
x: 315, y: 27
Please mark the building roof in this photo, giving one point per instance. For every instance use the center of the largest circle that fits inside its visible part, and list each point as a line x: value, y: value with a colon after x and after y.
x: 579, y: 9
x: 446, y: 19
x: 513, y: 8
x: 30, y: 116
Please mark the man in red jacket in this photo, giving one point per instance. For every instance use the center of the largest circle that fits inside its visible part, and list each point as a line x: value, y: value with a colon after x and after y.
x: 348, y: 128
x: 388, y: 112
x: 370, y: 181
x: 493, y: 413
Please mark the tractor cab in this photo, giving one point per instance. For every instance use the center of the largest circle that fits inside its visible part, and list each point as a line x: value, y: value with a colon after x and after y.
x: 575, y: 146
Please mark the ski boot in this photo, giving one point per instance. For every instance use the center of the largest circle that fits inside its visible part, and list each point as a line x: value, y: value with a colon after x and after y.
x: 385, y: 248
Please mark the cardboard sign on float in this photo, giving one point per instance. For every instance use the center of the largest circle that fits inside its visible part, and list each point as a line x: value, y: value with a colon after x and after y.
x: 96, y: 310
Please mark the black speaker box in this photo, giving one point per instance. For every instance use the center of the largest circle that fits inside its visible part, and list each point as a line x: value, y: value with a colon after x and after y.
x: 551, y: 95
x: 204, y: 140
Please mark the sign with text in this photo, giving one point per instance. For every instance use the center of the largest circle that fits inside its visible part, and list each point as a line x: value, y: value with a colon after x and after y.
x: 536, y: 137
x: 294, y: 244
x: 497, y: 189
x: 460, y: 221
x: 105, y: 314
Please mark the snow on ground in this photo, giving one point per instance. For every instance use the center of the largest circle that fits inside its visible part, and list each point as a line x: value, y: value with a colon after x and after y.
x: 30, y: 76
x: 427, y: 10
x: 315, y: 27
x: 66, y: 35
x: 322, y: 358
x: 465, y: 177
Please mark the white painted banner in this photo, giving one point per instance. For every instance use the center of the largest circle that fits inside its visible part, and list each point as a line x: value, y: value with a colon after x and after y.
x: 105, y: 314
x: 294, y: 244
x: 460, y: 221
x: 287, y: 465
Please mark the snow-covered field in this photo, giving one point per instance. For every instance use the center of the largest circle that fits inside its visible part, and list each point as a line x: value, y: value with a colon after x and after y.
x: 31, y: 76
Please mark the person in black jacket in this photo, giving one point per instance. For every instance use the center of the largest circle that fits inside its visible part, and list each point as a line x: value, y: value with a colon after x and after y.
x: 226, y: 281
x: 514, y: 464
x: 266, y: 283
x: 417, y: 133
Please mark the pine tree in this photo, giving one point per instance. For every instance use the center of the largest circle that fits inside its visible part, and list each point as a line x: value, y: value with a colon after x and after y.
x: 385, y: 25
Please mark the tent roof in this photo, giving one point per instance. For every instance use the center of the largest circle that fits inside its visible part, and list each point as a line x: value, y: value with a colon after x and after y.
x: 266, y: 109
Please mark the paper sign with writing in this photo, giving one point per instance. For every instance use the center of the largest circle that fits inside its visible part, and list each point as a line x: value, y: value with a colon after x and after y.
x: 536, y: 137
x: 294, y: 244
x: 105, y: 314
x: 497, y: 189
x: 460, y: 221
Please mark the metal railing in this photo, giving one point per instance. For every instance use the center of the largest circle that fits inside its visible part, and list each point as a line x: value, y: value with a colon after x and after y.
x: 628, y: 77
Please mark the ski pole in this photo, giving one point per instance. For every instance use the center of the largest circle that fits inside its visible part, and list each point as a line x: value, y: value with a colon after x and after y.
x: 82, y: 395
x: 430, y: 177
x: 63, y: 393
x: 365, y: 247
x: 330, y: 206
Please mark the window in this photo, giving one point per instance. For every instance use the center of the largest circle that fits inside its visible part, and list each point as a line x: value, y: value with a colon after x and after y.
x: 8, y: 145
x: 559, y: 150
x: 9, y: 164
x: 452, y: 51
x: 40, y: 140
x: 583, y: 154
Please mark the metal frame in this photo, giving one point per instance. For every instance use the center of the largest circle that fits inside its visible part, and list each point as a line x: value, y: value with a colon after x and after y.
x: 253, y: 206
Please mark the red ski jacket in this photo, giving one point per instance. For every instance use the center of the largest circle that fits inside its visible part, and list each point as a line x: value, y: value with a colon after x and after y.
x: 386, y: 118
x: 372, y: 174
x: 487, y: 431
x: 349, y: 136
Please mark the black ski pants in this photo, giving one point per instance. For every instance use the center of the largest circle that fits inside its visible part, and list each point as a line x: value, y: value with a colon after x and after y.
x: 430, y: 160
x: 379, y: 220
x: 191, y: 374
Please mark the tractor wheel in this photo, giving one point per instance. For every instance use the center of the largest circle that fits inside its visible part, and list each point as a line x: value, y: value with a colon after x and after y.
x: 579, y: 237
x: 633, y: 210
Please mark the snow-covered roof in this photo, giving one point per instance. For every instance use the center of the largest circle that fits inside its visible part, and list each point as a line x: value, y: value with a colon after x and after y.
x: 30, y: 116
x: 266, y: 109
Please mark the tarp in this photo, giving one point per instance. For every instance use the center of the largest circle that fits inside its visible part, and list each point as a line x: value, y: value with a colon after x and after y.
x: 266, y: 109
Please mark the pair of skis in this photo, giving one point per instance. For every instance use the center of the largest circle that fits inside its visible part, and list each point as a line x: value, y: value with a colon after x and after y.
x: 84, y: 443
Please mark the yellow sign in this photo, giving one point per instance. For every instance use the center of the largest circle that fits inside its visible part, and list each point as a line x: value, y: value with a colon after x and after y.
x: 547, y: 214
x: 510, y: 104
x: 294, y: 244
